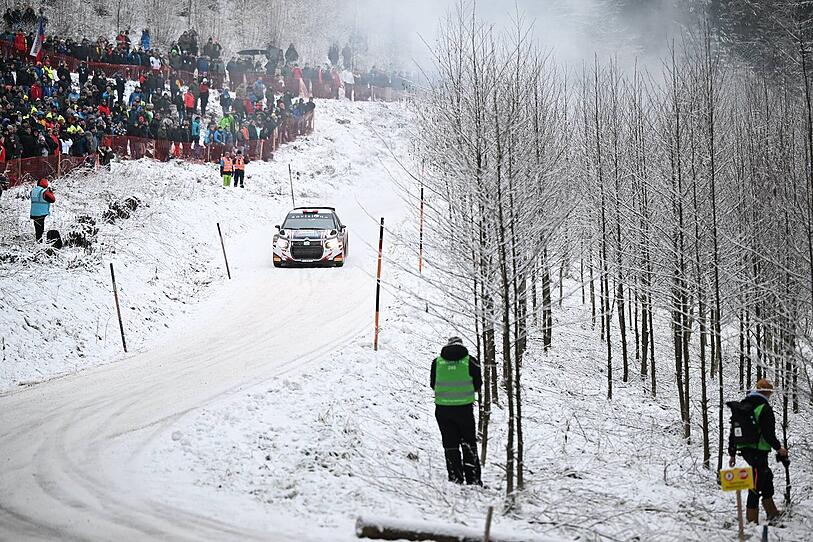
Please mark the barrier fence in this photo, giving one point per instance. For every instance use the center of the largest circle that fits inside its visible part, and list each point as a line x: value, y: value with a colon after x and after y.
x: 28, y: 170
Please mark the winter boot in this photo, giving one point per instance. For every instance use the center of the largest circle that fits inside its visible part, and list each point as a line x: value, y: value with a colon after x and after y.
x: 454, y: 465
x: 752, y: 515
x: 770, y: 509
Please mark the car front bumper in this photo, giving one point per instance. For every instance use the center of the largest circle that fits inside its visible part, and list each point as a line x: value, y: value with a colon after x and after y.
x: 329, y: 256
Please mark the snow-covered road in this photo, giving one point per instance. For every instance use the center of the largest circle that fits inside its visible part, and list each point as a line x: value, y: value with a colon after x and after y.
x: 70, y: 446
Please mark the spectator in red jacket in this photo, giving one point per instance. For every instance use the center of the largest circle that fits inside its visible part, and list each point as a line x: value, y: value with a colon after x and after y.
x: 203, y: 95
x: 36, y: 92
x: 20, y: 43
x: 189, y: 102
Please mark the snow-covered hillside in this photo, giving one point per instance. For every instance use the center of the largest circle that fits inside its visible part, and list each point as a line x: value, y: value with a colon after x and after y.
x: 257, y: 409
x: 355, y: 434
x: 57, y: 313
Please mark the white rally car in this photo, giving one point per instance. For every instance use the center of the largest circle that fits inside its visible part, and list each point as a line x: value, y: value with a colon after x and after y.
x: 311, y: 236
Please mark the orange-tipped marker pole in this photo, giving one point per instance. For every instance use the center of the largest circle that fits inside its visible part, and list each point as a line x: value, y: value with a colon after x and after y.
x: 378, y: 284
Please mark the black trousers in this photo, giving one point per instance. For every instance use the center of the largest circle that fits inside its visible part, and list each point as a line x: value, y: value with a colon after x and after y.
x: 39, y: 226
x: 764, y: 476
x: 239, y: 175
x: 458, y: 432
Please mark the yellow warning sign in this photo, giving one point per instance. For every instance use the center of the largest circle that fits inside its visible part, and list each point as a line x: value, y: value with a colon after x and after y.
x: 737, y: 479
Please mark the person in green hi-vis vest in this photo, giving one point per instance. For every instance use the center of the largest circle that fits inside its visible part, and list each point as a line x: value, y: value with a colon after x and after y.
x: 756, y: 454
x: 456, y: 378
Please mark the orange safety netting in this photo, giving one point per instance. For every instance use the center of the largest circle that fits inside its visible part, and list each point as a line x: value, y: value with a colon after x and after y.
x: 29, y: 170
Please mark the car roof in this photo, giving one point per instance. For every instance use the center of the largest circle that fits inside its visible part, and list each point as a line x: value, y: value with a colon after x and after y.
x: 317, y: 208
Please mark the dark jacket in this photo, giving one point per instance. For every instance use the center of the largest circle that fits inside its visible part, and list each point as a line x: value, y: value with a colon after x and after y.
x: 291, y: 55
x: 457, y: 352
x: 767, y: 422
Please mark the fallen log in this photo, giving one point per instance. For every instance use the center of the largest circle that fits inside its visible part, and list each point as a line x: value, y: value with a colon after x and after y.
x: 394, y: 529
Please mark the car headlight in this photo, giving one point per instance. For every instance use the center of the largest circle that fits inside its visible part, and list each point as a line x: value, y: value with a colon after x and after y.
x: 282, y: 244
x: 332, y: 243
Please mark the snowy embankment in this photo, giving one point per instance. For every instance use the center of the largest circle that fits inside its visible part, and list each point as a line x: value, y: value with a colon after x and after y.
x: 355, y: 434
x: 57, y: 313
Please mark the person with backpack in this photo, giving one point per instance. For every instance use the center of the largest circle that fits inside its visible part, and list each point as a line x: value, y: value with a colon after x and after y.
x: 753, y: 435
x: 456, y: 378
x: 42, y: 196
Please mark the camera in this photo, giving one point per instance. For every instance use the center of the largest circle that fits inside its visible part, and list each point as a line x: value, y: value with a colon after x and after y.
x: 785, y: 460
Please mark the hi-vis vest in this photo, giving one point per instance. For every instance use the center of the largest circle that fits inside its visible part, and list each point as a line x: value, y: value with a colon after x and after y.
x: 227, y: 165
x: 453, y: 384
x: 39, y: 206
x: 239, y: 164
x: 762, y: 445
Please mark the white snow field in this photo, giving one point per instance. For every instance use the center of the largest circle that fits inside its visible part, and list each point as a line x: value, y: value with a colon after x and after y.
x: 256, y: 408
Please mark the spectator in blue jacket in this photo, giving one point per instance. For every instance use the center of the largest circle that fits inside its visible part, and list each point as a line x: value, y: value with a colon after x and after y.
x: 136, y: 95
x: 225, y: 100
x: 145, y: 39
x: 209, y: 133
x: 203, y: 65
x: 42, y: 196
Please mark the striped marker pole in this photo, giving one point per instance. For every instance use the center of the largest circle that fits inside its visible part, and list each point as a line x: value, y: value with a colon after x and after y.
x: 420, y: 237
x: 378, y: 283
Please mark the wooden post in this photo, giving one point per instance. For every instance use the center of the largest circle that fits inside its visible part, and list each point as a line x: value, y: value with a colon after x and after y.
x: 291, y: 179
x: 378, y: 283
x: 489, y: 514
x: 118, y: 307
x: 739, y: 516
x: 420, y: 237
x: 390, y: 529
x: 228, y: 272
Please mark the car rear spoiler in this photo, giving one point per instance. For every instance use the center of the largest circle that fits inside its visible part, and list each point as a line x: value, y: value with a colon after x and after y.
x: 314, y: 207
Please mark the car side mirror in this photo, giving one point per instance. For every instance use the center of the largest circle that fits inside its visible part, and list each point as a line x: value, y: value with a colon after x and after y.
x: 277, y: 226
x: 344, y: 228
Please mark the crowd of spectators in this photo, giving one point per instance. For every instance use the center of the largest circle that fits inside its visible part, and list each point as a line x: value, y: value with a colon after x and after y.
x: 340, y: 72
x: 183, y: 54
x: 43, y: 111
x: 46, y: 110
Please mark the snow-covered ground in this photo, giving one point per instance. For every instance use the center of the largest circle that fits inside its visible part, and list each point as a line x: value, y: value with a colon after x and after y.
x: 356, y: 435
x: 57, y: 313
x: 256, y: 408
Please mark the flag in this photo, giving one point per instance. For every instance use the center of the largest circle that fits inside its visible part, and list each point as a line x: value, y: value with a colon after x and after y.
x: 36, y: 47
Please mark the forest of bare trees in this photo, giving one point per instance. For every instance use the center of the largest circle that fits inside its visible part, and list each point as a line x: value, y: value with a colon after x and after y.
x: 676, y: 200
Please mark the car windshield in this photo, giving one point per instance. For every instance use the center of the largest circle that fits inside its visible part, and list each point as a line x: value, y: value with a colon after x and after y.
x: 309, y: 221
